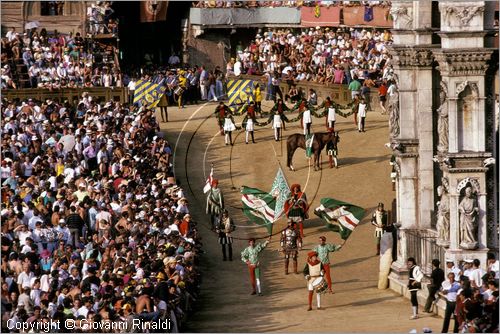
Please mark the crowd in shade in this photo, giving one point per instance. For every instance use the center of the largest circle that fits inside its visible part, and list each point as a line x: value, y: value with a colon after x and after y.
x: 94, y: 224
x: 254, y: 4
x: 322, y: 55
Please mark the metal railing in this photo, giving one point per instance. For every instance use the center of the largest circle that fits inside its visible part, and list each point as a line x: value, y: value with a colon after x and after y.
x: 421, y: 244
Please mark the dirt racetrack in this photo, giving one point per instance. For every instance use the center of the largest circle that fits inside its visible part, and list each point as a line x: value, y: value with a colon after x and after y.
x: 362, y: 179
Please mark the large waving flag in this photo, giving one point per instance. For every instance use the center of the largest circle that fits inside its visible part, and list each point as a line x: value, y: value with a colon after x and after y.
x: 280, y: 190
x: 340, y: 216
x: 259, y: 206
x: 208, y: 183
x: 148, y: 94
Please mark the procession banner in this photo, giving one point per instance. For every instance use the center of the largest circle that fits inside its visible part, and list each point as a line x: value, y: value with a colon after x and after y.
x: 280, y: 190
x: 341, y: 217
x: 259, y: 207
x: 148, y: 94
x: 208, y: 183
x: 239, y: 92
x: 320, y: 16
x: 153, y: 11
x: 309, y: 144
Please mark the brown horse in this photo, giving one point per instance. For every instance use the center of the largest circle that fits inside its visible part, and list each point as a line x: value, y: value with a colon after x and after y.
x: 319, y: 142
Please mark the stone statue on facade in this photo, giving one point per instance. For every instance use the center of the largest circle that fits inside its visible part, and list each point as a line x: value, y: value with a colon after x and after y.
x: 443, y: 215
x: 393, y: 108
x: 443, y: 119
x: 468, y: 210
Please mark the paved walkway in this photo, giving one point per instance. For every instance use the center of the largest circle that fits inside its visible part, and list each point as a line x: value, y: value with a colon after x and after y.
x: 363, y: 179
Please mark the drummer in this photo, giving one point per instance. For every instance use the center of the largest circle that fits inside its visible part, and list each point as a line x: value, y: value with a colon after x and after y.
x: 314, y: 275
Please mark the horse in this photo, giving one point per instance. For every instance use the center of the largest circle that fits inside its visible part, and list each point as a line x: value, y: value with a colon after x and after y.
x: 297, y: 140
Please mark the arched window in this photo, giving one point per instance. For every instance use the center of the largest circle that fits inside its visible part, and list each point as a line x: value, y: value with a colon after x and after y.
x: 51, y: 8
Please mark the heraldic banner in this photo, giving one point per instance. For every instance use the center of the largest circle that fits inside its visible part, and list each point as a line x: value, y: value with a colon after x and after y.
x: 148, y: 94
x: 320, y: 16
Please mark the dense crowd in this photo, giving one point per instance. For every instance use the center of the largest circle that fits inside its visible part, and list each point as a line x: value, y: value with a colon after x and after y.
x: 254, y: 4
x: 94, y: 226
x: 322, y: 55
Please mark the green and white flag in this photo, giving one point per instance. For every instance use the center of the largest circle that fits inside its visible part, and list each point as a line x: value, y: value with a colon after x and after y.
x: 309, y: 144
x: 340, y: 216
x: 280, y: 190
x: 259, y: 206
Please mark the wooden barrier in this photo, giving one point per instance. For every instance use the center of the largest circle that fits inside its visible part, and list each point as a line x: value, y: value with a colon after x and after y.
x: 100, y: 94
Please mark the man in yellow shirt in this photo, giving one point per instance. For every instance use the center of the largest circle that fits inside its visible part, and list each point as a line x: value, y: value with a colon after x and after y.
x: 182, y: 84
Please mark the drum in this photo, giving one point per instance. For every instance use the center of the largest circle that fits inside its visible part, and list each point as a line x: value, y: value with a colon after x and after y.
x: 320, y: 285
x: 178, y: 91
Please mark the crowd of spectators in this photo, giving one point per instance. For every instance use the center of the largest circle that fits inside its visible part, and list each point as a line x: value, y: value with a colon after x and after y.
x: 321, y: 55
x: 254, y: 4
x: 94, y: 226
x: 55, y: 60
x: 100, y: 18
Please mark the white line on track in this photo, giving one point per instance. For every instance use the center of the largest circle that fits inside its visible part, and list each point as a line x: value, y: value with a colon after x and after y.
x: 182, y: 130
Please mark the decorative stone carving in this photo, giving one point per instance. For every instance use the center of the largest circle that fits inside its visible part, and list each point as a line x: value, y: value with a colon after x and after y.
x: 409, y: 57
x: 468, y: 210
x: 401, y: 14
x: 393, y: 108
x: 464, y: 13
x: 443, y: 118
x: 443, y: 214
x: 462, y: 63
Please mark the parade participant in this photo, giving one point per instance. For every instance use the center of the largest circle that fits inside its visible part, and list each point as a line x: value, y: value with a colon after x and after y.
x: 414, y: 284
x: 312, y: 270
x: 182, y: 84
x: 229, y: 127
x: 220, y: 112
x: 296, y: 207
x: 215, y: 202
x: 258, y: 99
x: 330, y: 114
x: 306, y: 121
x: 323, y: 249
x: 290, y: 243
x: 379, y: 220
x: 332, y: 151
x: 280, y: 107
x: 277, y: 123
x: 224, y: 229
x: 361, y: 115
x: 250, y: 121
x: 250, y: 256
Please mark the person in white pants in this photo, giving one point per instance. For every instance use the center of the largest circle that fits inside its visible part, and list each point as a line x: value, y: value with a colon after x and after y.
x: 229, y: 127
x: 361, y: 115
x: 277, y: 125
x: 307, y: 121
x: 312, y: 271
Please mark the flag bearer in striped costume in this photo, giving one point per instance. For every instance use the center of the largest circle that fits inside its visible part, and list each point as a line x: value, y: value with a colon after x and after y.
x: 312, y: 270
x: 296, y: 207
x: 323, y: 249
x: 250, y: 256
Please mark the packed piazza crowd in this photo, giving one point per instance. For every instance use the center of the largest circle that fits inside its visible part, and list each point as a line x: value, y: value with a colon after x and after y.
x: 95, y: 229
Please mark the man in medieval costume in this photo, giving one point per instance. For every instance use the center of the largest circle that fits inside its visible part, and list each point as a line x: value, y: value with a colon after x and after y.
x: 296, y: 207
x: 215, y: 203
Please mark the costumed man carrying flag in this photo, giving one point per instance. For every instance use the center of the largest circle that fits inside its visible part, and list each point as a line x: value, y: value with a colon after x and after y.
x: 323, y: 249
x: 330, y: 114
x: 306, y: 117
x: 250, y: 256
x: 296, y: 207
x: 215, y: 203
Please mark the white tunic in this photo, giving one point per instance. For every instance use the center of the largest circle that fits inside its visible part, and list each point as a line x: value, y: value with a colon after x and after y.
x: 276, y: 121
x: 306, y: 116
x: 331, y: 114
x: 249, y: 126
x: 229, y: 125
x: 362, y: 110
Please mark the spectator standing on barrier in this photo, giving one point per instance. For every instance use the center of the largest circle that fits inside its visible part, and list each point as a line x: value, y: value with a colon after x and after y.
x: 437, y: 278
x: 275, y: 81
x: 355, y: 87
x: 449, y: 288
x: 382, y: 95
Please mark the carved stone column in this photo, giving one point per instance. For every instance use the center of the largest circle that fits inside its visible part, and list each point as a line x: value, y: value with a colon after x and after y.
x: 463, y: 62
